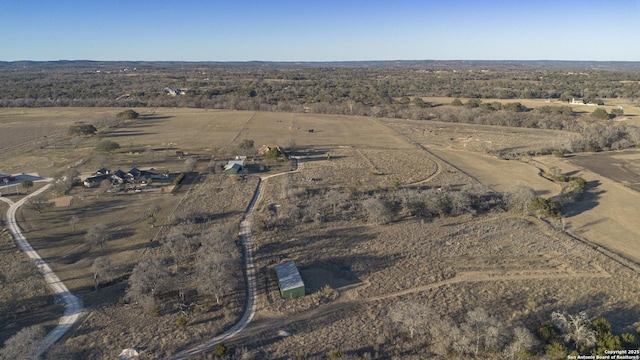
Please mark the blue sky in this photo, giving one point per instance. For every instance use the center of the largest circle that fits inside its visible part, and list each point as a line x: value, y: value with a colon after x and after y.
x: 311, y: 30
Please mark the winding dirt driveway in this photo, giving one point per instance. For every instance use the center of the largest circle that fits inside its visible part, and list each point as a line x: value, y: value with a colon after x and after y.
x: 250, y: 307
x: 73, y: 308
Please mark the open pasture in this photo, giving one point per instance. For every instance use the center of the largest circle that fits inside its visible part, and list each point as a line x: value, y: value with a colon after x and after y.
x: 519, y: 268
x: 605, y: 214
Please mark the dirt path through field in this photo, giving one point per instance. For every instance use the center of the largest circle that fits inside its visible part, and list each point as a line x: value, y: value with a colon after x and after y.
x: 480, y: 276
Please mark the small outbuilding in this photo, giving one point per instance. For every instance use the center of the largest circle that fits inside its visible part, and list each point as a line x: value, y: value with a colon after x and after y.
x: 289, y: 280
x: 234, y: 167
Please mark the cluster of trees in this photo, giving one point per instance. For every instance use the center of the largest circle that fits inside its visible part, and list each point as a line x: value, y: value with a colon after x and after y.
x: 382, y: 206
x: 575, y: 334
x: 492, y: 106
x: 289, y: 87
x: 22, y: 282
x: 601, y: 114
x: 210, y: 256
x: 301, y: 204
x: 481, y: 334
x: 596, y: 136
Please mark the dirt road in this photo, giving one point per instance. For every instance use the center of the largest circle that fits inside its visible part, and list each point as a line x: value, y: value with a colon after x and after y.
x: 73, y: 304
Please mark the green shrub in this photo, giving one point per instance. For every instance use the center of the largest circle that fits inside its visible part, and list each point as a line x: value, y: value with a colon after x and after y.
x: 107, y: 146
x: 559, y: 153
x: 82, y: 129
x: 629, y: 340
x: 544, y: 208
x: 182, y: 321
x: 600, y: 114
x: 515, y: 106
x: 617, y: 112
x: 473, y: 103
x: 556, y: 350
x: 178, y: 179
x: 578, y: 185
x: 128, y: 115
x: 547, y: 332
x: 220, y: 349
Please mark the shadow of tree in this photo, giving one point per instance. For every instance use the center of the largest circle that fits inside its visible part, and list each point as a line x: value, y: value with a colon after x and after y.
x: 587, y: 201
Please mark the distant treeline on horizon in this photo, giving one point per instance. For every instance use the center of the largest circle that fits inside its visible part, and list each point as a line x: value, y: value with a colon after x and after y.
x: 444, y: 64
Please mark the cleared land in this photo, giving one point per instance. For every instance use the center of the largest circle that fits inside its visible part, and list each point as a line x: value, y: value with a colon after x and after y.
x: 521, y: 269
x: 605, y: 214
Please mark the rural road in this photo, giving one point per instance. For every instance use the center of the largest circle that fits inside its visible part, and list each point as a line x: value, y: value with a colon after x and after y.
x: 73, y: 304
x: 245, y: 235
x: 250, y: 308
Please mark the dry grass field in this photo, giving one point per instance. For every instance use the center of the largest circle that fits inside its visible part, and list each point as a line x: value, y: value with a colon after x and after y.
x: 519, y: 268
x: 605, y: 214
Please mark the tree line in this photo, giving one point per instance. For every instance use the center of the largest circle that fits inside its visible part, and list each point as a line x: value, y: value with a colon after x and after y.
x: 291, y: 87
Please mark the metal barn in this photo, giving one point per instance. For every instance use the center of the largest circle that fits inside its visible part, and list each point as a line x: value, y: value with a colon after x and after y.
x: 289, y: 280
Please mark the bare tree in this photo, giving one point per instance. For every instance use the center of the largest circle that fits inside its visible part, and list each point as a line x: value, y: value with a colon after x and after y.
x: 459, y: 202
x: 575, y: 328
x: 443, y: 335
x: 179, y: 244
x: 66, y: 181
x: 221, y: 238
x: 151, y: 213
x: 105, y: 186
x: 23, y: 345
x: 106, y: 121
x: 522, y: 339
x: 98, y: 235
x: 24, y: 273
x: 334, y: 199
x: 102, y: 271
x: 217, y: 262
x: 146, y: 281
x: 190, y: 164
x: 38, y: 203
x: 214, y: 273
x: 484, y: 330
x: 21, y: 271
x: 412, y: 317
x: 519, y: 197
x: 73, y: 222
x: 377, y: 210
x: 212, y: 165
